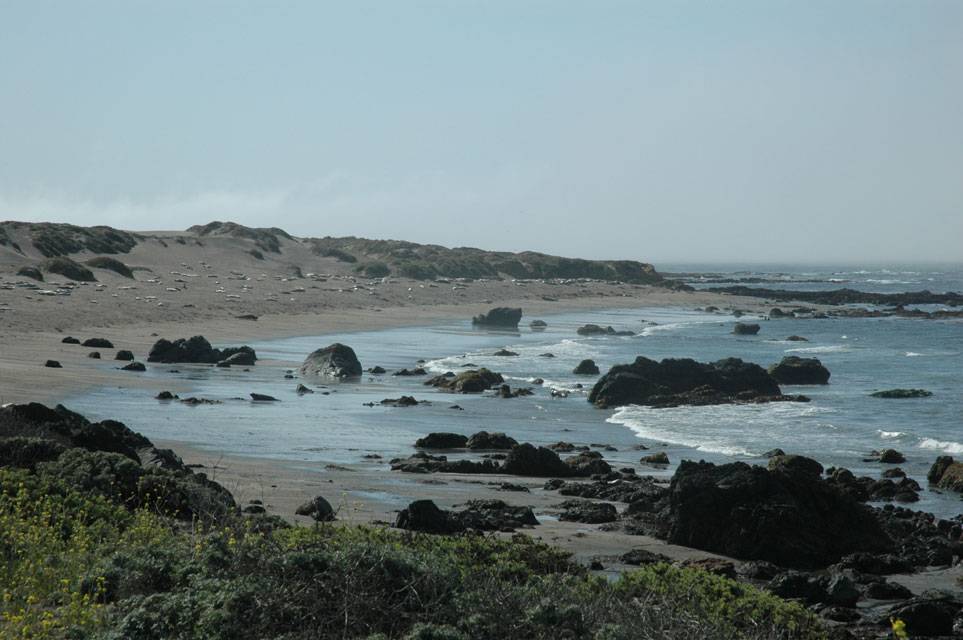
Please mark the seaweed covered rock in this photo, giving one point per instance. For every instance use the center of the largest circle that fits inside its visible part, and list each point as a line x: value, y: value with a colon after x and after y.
x: 676, y: 381
x: 499, y: 317
x: 946, y: 473
x: 334, y: 361
x: 474, y: 381
x: 779, y: 516
x: 596, y: 330
x: 796, y: 370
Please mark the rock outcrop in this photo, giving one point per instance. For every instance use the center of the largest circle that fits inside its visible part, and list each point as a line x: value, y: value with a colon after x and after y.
x: 499, y: 317
x: 586, y: 368
x: 745, y: 329
x: 197, y: 350
x: 596, y: 330
x: 676, y: 381
x: 474, y: 381
x: 796, y: 370
x: 334, y: 361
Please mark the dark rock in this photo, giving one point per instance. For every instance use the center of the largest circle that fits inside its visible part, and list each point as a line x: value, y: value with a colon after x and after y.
x: 538, y: 324
x: 499, y: 317
x: 223, y: 365
x: 94, y: 354
x: 682, y: 381
x: 586, y: 368
x: 891, y: 456
x: 493, y: 515
x: 377, y: 370
x: 490, y: 441
x: 99, y: 343
x: 403, y: 401
x: 795, y: 338
x: 588, y: 463
x: 563, y: 447
x: 796, y: 370
x: 587, y: 511
x: 468, y: 381
x: 925, y: 617
x: 776, y: 312
x: 796, y: 463
x: 527, y: 460
x: 53, y: 364
x: 596, y: 330
x: 317, y: 508
x: 744, y: 329
x: 842, y: 591
x: 875, y: 563
x: 261, y: 397
x: 753, y: 513
x: 902, y: 393
x: 195, y: 349
x: 895, y: 472
x: 426, y: 517
x: 638, y: 557
x: 656, y: 458
x: 302, y: 390
x: 505, y: 353
x: 773, y: 453
x: 417, y: 371
x: 442, y: 441
x: 546, y: 355
x: 70, y: 340
x: 758, y: 570
x: 134, y: 366
x: 884, y: 590
x: 165, y: 395
x: 124, y: 355
x: 798, y: 585
x: 946, y: 474
x: 334, y: 361
x: 508, y: 486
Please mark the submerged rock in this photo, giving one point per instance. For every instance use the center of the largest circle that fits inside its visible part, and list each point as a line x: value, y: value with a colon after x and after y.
x: 744, y: 329
x: 474, y: 381
x: 902, y: 393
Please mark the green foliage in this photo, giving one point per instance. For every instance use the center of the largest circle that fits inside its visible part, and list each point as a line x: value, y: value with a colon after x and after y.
x: 24, y: 453
x: 77, y: 562
x: 741, y: 605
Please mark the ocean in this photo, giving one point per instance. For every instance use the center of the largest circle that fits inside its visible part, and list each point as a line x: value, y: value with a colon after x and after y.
x: 841, y: 426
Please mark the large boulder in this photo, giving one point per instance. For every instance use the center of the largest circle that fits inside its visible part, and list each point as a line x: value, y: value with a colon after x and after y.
x: 499, y: 317
x: 796, y: 370
x: 317, y: 508
x: 745, y: 329
x: 334, y: 361
x: 676, y: 381
x: 946, y: 474
x: 195, y: 349
x: 786, y: 517
x: 527, y: 460
x: 586, y: 368
x: 426, y: 517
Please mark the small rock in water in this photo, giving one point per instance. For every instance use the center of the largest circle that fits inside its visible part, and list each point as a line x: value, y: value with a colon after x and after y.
x: 261, y: 397
x: 94, y: 354
x: 303, y: 390
x: 53, y: 364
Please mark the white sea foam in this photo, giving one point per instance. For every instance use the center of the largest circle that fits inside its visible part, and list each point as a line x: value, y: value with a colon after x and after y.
x: 946, y: 446
x: 911, y: 354
x: 836, y: 348
x: 891, y: 434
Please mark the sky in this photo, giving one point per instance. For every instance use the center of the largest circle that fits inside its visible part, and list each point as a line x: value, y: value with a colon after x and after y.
x: 673, y: 131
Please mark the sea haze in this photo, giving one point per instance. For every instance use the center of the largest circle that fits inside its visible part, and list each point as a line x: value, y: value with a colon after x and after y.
x: 839, y: 427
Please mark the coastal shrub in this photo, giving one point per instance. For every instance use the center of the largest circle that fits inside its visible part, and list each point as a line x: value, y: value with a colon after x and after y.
x: 111, y: 264
x: 373, y: 269
x: 82, y: 562
x: 68, y: 269
x: 25, y: 453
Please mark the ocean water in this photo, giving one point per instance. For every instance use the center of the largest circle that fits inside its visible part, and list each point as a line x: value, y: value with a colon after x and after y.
x: 839, y: 427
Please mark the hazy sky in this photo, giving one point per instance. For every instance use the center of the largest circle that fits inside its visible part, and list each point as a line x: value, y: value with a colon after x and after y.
x: 659, y: 131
